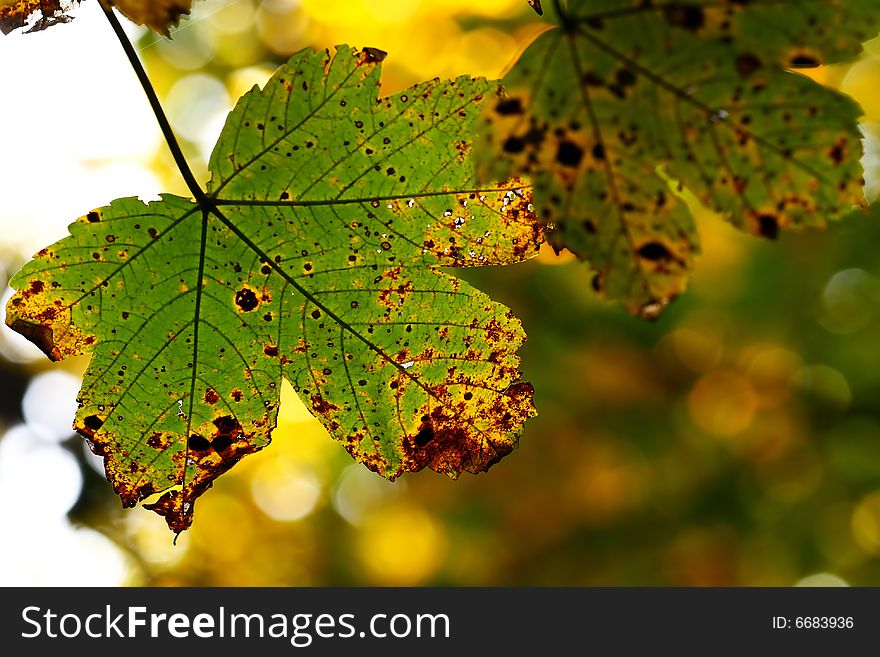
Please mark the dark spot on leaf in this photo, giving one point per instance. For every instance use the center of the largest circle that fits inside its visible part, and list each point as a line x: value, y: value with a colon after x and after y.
x: 804, y: 60
x: 591, y: 79
x: 625, y: 77
x: 246, y: 299
x: 514, y: 145
x: 510, y: 106
x: 768, y: 226
x: 322, y: 406
x: 569, y: 154
x: 197, y: 443
x: 211, y: 396
x: 93, y: 422
x: 374, y: 55
x: 747, y: 64
x: 93, y: 217
x: 424, y: 436
x: 654, y: 251
x: 221, y: 442
x: 228, y: 429
x: 271, y: 350
x: 687, y: 16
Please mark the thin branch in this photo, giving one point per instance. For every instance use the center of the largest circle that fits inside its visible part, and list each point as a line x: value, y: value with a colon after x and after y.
x: 179, y: 159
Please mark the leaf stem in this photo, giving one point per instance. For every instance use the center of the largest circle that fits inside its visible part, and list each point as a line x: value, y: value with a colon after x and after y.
x: 179, y: 159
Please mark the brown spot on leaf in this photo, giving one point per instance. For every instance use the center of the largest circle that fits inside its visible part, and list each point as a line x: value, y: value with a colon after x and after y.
x: 211, y: 396
x: 570, y: 154
x: 246, y: 300
x: 746, y: 64
x: 40, y: 335
x: 510, y: 106
x: 212, y: 457
x: 159, y: 441
x: 322, y: 406
x: 228, y: 430
x: 654, y: 251
x: 93, y: 422
x: 514, y: 145
x: 804, y: 60
x: 448, y: 441
x: 197, y: 443
x: 768, y: 226
x: 687, y: 16
x: 371, y: 56
x: 838, y: 152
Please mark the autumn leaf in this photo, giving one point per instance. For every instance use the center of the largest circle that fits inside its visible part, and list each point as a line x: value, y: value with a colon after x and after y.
x: 628, y: 107
x: 158, y: 15
x: 16, y: 13
x: 314, y: 256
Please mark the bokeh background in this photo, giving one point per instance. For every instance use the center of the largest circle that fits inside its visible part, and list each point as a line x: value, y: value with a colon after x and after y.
x: 735, y: 441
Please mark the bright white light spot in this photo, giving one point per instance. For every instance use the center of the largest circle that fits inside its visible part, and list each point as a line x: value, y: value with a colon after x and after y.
x: 81, y: 109
x: 49, y: 404
x: 822, y: 580
x: 39, y: 481
x: 285, y: 491
x: 360, y: 491
x: 58, y: 554
x: 407, y: 364
x: 197, y: 106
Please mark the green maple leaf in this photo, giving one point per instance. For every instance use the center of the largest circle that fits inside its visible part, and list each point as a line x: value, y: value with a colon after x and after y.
x: 629, y: 106
x: 313, y: 256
